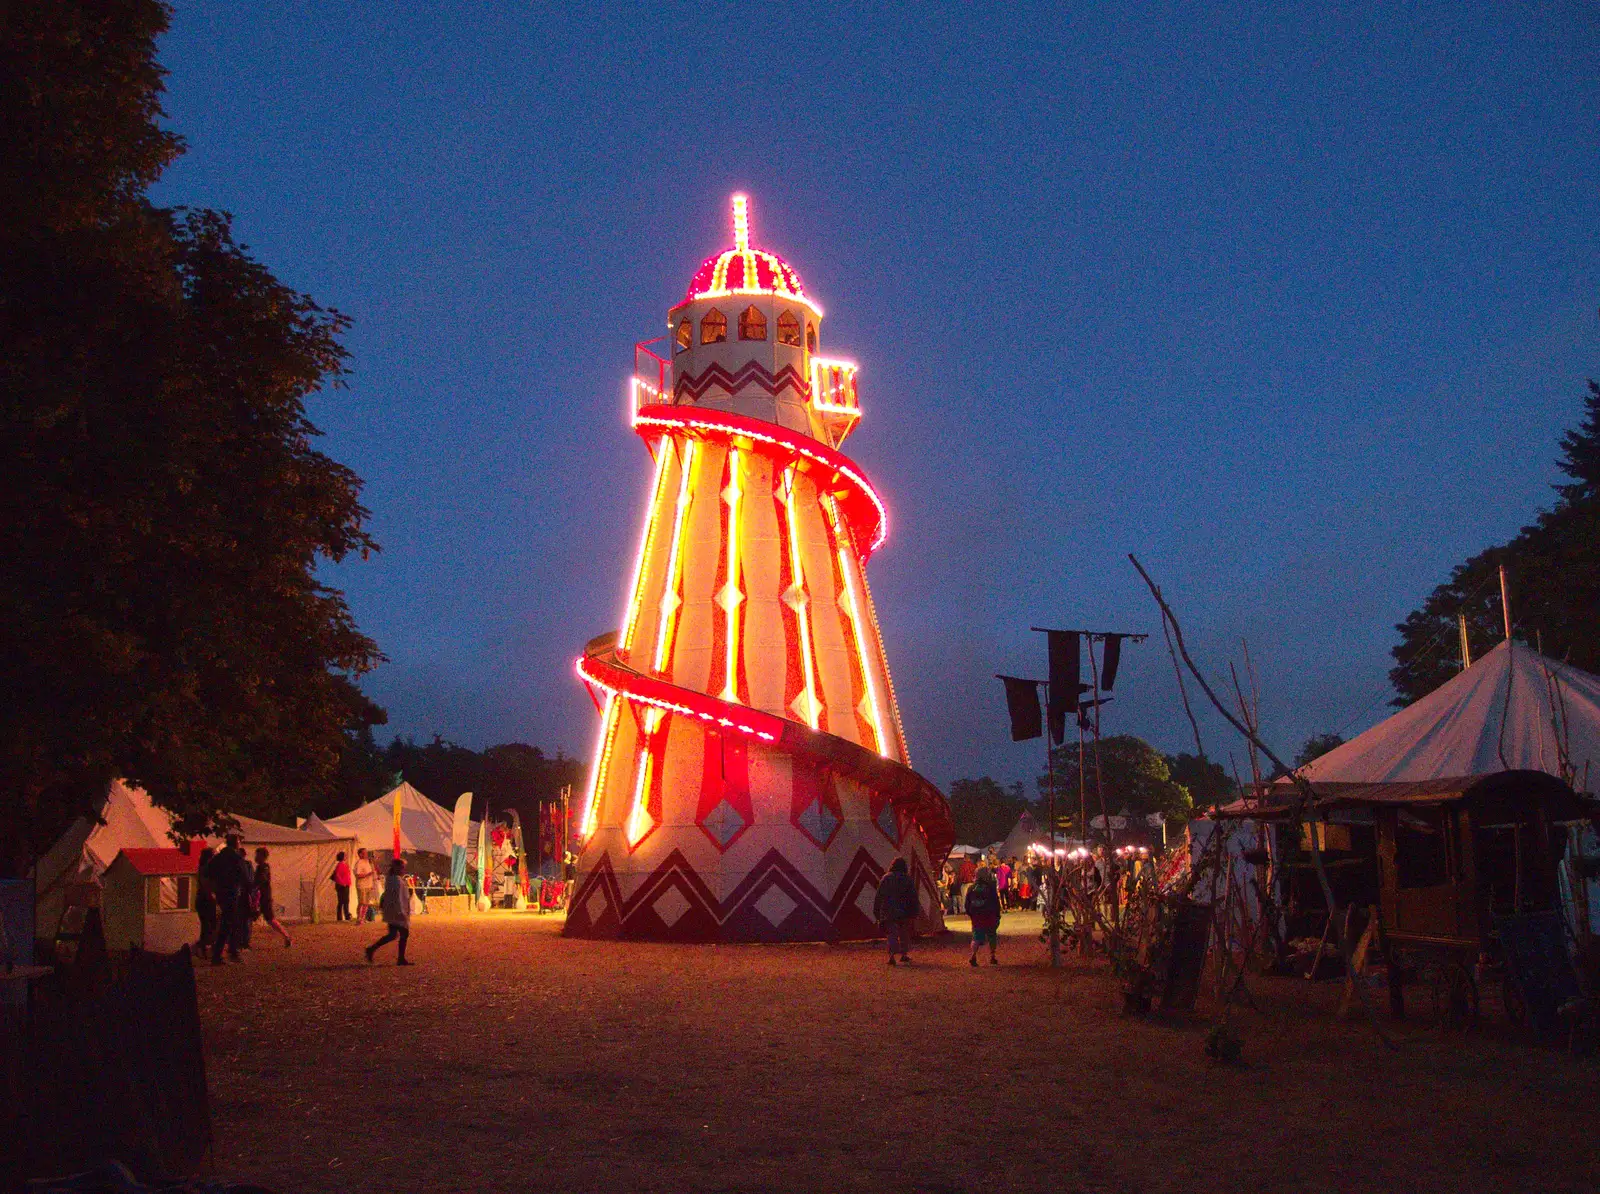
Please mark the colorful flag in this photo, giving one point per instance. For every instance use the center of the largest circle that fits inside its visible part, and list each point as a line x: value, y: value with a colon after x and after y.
x: 396, y: 795
x: 458, y: 839
x: 483, y: 854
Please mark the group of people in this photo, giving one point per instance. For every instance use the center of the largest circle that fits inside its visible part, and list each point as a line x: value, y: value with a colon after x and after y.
x: 363, y: 875
x: 895, y: 907
x: 232, y: 893
x: 393, y: 906
x: 1017, y: 883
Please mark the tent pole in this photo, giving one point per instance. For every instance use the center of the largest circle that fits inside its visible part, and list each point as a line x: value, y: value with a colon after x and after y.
x: 1505, y: 602
x: 1466, y: 648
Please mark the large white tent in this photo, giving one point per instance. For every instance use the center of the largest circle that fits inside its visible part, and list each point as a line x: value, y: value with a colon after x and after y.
x: 424, y: 825
x: 1512, y: 709
x: 302, y: 866
x: 301, y: 862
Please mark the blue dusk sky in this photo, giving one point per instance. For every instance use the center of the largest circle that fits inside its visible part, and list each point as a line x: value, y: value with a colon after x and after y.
x: 1294, y: 302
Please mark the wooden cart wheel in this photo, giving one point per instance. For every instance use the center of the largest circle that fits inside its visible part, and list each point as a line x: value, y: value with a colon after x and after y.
x: 1455, y: 996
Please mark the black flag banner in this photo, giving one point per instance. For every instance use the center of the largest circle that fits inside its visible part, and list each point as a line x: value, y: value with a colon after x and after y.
x: 1022, y: 702
x: 1064, y: 680
x: 1113, y: 657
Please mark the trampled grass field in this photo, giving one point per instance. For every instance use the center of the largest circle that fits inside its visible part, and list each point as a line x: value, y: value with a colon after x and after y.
x: 509, y: 1058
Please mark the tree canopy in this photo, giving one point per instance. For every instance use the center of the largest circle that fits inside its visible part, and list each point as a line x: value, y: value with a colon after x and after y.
x: 1135, y: 777
x: 1316, y: 746
x: 164, y: 510
x: 1553, y: 569
x: 984, y: 811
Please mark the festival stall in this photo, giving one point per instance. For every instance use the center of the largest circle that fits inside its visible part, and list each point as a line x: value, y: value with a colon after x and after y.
x: 148, y: 899
x: 301, y: 860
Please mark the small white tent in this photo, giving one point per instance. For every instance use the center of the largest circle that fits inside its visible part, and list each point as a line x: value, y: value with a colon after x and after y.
x: 86, y: 849
x: 301, y: 862
x: 423, y: 824
x: 1511, y: 710
x: 302, y: 866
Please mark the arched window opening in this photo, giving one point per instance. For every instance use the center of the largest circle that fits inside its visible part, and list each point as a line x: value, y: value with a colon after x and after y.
x: 713, y: 327
x: 811, y: 337
x: 788, y: 329
x: 752, y: 324
x: 684, y: 335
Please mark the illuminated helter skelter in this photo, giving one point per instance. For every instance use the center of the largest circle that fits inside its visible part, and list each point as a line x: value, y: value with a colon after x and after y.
x: 751, y: 781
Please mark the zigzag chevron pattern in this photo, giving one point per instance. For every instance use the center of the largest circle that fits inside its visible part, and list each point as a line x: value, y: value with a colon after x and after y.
x: 772, y: 902
x: 751, y: 375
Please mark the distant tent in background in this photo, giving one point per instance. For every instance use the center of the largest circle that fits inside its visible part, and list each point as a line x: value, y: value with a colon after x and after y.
x: 1025, y: 833
x: 315, y: 824
x: 1502, y: 713
x: 424, y: 825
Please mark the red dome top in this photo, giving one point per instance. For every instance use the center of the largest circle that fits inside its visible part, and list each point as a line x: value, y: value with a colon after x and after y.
x: 742, y: 269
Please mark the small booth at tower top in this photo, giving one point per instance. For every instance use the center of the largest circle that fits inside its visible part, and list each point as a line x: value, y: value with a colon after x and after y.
x: 751, y: 778
x: 746, y: 318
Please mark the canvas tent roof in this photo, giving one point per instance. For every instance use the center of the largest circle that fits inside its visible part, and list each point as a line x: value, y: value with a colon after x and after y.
x: 1024, y: 834
x: 1499, y: 714
x: 315, y: 824
x: 130, y: 821
x: 424, y: 825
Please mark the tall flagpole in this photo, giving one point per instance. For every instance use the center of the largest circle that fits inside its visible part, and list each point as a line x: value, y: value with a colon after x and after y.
x: 1054, y: 909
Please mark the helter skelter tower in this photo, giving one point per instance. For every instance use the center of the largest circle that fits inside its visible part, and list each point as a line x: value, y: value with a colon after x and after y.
x: 751, y: 781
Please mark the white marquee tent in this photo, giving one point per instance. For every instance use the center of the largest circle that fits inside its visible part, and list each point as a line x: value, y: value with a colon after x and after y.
x: 424, y: 825
x: 1512, y: 709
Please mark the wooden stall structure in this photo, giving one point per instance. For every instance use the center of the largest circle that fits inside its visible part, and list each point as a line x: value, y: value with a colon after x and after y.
x: 1456, y: 863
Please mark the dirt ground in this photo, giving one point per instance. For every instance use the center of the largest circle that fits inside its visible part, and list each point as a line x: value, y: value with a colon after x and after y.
x: 509, y: 1058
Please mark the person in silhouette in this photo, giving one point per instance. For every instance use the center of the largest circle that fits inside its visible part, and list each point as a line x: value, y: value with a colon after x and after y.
x: 395, y: 907
x: 983, y: 908
x: 895, y: 907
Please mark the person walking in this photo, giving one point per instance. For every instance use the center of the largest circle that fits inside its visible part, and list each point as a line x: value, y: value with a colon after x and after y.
x: 225, y: 872
x: 341, y: 886
x: 1002, y: 881
x: 248, y: 910
x: 396, y: 909
x: 895, y: 907
x: 267, y: 909
x: 965, y: 874
x: 983, y: 908
x: 366, y: 883
x: 205, y: 904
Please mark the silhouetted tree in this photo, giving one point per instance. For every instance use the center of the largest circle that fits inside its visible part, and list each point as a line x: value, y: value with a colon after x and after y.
x: 162, y: 512
x: 1207, y: 783
x: 1135, y: 777
x: 985, y: 812
x: 1316, y: 746
x: 1553, y: 566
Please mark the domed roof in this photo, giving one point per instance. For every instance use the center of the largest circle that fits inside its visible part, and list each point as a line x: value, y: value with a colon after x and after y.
x: 744, y: 270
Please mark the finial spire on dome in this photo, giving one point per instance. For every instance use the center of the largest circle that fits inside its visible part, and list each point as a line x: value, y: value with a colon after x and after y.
x: 745, y: 269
